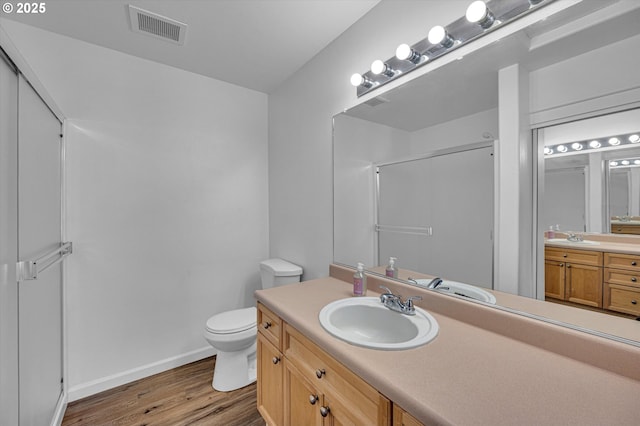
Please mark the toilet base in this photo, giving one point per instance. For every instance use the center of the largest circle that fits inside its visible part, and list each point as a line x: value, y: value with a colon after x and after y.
x: 235, y: 370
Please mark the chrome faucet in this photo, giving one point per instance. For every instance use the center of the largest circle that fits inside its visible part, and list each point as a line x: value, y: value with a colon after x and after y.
x: 395, y: 303
x: 571, y: 236
x: 434, y: 283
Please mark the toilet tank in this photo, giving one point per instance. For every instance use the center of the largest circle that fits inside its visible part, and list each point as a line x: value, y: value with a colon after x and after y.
x: 276, y: 272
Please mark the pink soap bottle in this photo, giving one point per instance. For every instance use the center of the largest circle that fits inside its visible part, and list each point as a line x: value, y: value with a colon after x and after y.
x: 359, y: 281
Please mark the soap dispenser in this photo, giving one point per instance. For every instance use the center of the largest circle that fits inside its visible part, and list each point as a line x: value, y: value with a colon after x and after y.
x: 392, y: 271
x: 359, y: 281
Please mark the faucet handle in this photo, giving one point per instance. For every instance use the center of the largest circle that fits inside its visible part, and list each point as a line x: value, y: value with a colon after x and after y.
x: 409, y: 302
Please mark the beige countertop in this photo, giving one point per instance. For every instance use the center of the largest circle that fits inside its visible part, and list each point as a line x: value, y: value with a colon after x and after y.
x: 480, y: 369
x: 629, y: 244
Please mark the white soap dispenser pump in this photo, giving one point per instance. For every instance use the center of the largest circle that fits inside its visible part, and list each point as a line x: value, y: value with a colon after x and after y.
x: 359, y: 281
x: 391, y: 271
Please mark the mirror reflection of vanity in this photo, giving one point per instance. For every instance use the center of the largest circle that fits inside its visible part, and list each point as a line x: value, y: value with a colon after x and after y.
x: 456, y: 110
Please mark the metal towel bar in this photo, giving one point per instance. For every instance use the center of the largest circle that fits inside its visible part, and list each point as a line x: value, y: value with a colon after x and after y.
x: 29, y: 269
x: 414, y: 230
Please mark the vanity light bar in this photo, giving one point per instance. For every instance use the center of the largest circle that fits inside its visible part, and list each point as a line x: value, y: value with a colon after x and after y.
x: 600, y: 144
x: 481, y: 18
x: 624, y: 162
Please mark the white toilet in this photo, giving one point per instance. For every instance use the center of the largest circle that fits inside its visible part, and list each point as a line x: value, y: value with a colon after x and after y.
x: 233, y: 333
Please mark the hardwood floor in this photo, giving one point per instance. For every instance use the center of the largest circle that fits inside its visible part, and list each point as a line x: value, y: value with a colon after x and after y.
x: 182, y: 396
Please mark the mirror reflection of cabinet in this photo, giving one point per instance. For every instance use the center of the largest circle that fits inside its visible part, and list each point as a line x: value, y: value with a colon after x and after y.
x: 574, y: 276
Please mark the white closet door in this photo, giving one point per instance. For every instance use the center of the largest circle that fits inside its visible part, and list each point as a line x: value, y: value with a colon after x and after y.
x: 8, y: 245
x: 461, y: 192
x: 39, y: 231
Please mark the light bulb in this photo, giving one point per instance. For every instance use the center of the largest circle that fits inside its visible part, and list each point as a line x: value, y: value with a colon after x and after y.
x: 404, y: 52
x: 634, y: 138
x: 548, y: 151
x: 378, y: 67
x: 478, y: 13
x: 614, y: 141
x: 357, y: 79
x: 613, y: 163
x: 562, y: 148
x: 595, y: 144
x: 625, y: 162
x: 577, y: 146
x: 636, y: 162
x: 438, y: 35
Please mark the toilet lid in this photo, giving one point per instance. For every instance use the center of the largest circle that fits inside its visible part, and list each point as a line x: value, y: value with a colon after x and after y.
x: 233, y: 321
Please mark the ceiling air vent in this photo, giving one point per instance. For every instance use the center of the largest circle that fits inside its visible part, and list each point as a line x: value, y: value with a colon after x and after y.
x: 143, y: 21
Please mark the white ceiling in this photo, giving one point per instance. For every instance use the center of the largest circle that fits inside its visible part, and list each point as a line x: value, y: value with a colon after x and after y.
x: 256, y: 44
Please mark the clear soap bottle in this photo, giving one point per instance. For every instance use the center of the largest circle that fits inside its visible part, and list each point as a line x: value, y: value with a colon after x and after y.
x: 391, y: 271
x: 359, y: 281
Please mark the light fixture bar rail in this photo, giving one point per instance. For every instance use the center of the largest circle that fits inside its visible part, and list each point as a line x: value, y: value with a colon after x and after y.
x: 413, y: 230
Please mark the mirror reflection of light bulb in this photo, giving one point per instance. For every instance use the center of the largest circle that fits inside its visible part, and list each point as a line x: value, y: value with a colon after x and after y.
x: 548, y: 151
x: 577, y: 146
x: 625, y: 162
x: 595, y: 144
x: 636, y: 162
x: 614, y: 141
x: 613, y: 163
x: 562, y: 148
x: 634, y: 138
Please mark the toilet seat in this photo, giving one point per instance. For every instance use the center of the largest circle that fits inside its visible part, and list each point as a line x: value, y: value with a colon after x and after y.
x: 233, y: 321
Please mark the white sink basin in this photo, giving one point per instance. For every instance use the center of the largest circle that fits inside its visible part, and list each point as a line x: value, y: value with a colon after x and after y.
x: 565, y: 241
x: 365, y: 321
x: 461, y: 289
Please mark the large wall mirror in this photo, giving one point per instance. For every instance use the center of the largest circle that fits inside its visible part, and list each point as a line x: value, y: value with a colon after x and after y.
x: 415, y: 172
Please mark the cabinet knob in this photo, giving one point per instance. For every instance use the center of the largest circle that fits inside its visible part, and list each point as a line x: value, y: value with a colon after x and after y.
x: 313, y: 399
x: 324, y: 411
x: 564, y: 255
x: 634, y: 263
x: 320, y: 373
x: 634, y: 302
x: 267, y: 324
x: 560, y: 264
x: 568, y: 265
x: 634, y: 279
x: 275, y: 360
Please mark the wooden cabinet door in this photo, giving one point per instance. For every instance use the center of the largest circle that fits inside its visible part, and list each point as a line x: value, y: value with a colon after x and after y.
x: 302, y: 401
x: 584, y: 284
x: 402, y: 418
x: 554, y: 279
x: 270, y: 380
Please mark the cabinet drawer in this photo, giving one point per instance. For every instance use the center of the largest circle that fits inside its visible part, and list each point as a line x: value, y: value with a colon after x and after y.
x: 584, y: 257
x: 629, y: 262
x: 622, y: 299
x: 270, y: 325
x: 622, y: 277
x: 333, y: 379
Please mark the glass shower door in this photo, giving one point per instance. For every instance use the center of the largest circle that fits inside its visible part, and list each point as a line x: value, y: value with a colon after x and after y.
x: 39, y: 231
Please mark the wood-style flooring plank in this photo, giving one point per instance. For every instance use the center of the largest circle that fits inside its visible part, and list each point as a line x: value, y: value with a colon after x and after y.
x: 182, y: 396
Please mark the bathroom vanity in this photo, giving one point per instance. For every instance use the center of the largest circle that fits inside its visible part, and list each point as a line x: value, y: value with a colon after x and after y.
x: 602, y: 272
x: 486, y: 366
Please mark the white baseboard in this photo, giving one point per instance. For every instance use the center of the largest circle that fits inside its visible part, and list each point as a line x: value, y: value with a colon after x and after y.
x: 96, y: 386
x: 61, y: 407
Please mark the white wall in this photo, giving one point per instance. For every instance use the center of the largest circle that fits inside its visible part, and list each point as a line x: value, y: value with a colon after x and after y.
x: 167, y: 205
x: 358, y: 146
x: 300, y: 111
